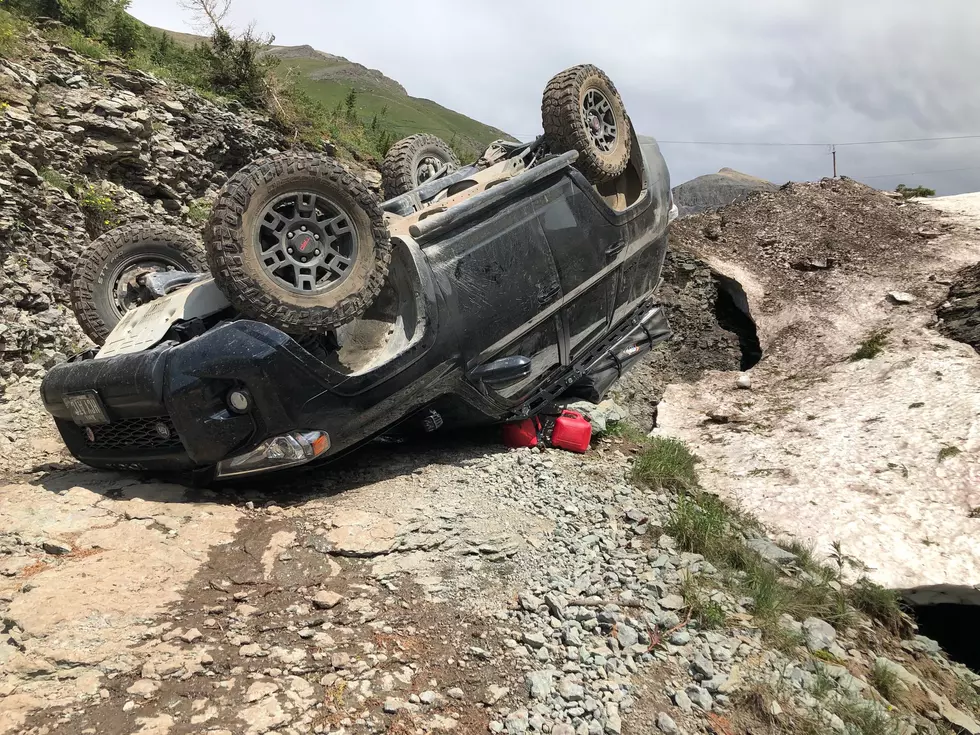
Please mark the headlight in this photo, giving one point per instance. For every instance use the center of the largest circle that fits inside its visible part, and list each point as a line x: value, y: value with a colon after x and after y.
x: 287, y: 450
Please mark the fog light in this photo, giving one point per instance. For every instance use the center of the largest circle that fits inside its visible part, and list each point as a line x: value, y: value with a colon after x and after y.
x: 287, y: 450
x: 239, y: 401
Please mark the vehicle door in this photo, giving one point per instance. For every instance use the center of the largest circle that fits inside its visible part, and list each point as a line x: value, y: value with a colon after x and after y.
x: 502, y: 289
x: 584, y: 244
x: 646, y: 234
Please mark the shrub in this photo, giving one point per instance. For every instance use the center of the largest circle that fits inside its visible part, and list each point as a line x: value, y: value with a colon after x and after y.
x: 871, y: 347
x: 463, y: 152
x: 878, y: 604
x: 103, y: 20
x: 235, y: 67
x: 918, y: 191
x: 124, y: 33
x: 78, y: 42
x: 35, y: 8
x: 55, y: 179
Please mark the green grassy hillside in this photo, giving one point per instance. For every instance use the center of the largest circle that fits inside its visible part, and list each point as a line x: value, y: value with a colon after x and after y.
x: 395, y: 109
x: 328, y: 79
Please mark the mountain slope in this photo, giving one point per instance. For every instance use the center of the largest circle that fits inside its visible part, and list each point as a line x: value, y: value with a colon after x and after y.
x: 328, y: 79
x: 717, y: 190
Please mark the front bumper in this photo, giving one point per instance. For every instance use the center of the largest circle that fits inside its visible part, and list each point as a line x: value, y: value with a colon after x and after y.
x: 168, y: 406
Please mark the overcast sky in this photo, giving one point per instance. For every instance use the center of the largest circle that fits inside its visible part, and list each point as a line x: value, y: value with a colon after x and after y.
x: 750, y: 71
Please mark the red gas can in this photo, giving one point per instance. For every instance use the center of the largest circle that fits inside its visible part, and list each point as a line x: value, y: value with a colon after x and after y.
x: 572, y: 432
x: 522, y: 433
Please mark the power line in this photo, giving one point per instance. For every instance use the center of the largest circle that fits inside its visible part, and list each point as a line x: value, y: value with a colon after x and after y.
x: 918, y: 173
x: 913, y: 140
x: 856, y: 142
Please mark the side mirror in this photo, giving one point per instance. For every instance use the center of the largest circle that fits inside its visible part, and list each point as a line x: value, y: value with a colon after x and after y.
x: 502, y: 371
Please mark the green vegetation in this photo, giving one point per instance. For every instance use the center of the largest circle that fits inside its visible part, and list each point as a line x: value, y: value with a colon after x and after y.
x: 859, y: 716
x: 863, y: 718
x: 665, y: 464
x: 702, y: 523
x: 885, y: 681
x: 79, y: 43
x: 707, y: 613
x: 871, y: 347
x: 828, y: 657
x: 363, y: 116
x: 11, y: 32
x: 98, y: 208
x: 967, y: 695
x: 878, y: 604
x: 626, y: 431
x: 198, y: 211
x: 918, y: 191
x: 328, y: 80
x: 823, y: 683
x: 55, y: 179
x: 784, y: 639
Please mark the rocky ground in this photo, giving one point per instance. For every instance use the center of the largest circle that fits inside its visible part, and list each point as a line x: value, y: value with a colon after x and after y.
x: 959, y: 315
x: 828, y: 446
x: 455, y: 587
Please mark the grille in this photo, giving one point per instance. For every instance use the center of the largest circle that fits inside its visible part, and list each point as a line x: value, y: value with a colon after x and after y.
x: 142, y: 433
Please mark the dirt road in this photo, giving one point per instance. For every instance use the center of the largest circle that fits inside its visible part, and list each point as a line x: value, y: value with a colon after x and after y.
x: 380, y: 592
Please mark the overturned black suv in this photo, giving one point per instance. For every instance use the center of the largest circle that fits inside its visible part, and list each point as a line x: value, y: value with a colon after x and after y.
x: 315, y: 318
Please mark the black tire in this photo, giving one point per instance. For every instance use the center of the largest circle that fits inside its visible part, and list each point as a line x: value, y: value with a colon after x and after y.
x: 234, y: 247
x: 403, y: 167
x: 562, y: 106
x: 96, y: 289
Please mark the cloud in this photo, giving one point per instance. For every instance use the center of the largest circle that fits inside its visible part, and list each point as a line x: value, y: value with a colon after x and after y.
x: 712, y: 70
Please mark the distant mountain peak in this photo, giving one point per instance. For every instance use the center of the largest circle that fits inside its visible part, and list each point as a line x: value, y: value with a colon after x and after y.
x: 302, y: 52
x: 334, y: 68
x: 712, y: 191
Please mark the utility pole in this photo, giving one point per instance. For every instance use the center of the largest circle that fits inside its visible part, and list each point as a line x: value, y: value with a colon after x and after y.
x: 833, y: 152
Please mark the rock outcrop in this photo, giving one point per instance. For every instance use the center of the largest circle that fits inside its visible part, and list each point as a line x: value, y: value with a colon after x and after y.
x: 85, y: 145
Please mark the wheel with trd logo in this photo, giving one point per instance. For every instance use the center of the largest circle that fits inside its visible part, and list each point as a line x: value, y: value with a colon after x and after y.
x: 297, y: 242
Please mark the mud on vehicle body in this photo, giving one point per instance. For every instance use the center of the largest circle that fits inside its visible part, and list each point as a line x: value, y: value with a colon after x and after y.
x: 503, y: 285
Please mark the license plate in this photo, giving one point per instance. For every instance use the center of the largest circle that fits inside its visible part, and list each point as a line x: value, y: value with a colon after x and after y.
x: 86, y: 408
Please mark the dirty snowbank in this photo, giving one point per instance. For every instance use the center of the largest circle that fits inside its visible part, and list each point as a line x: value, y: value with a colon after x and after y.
x: 880, y: 454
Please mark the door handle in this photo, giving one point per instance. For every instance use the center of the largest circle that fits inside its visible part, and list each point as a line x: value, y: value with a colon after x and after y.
x: 615, y: 248
x: 547, y: 298
x: 502, y: 371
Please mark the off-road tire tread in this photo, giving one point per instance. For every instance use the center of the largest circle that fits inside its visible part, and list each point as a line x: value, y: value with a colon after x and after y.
x: 397, y: 170
x: 562, y: 122
x: 92, y: 259
x: 224, y: 244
